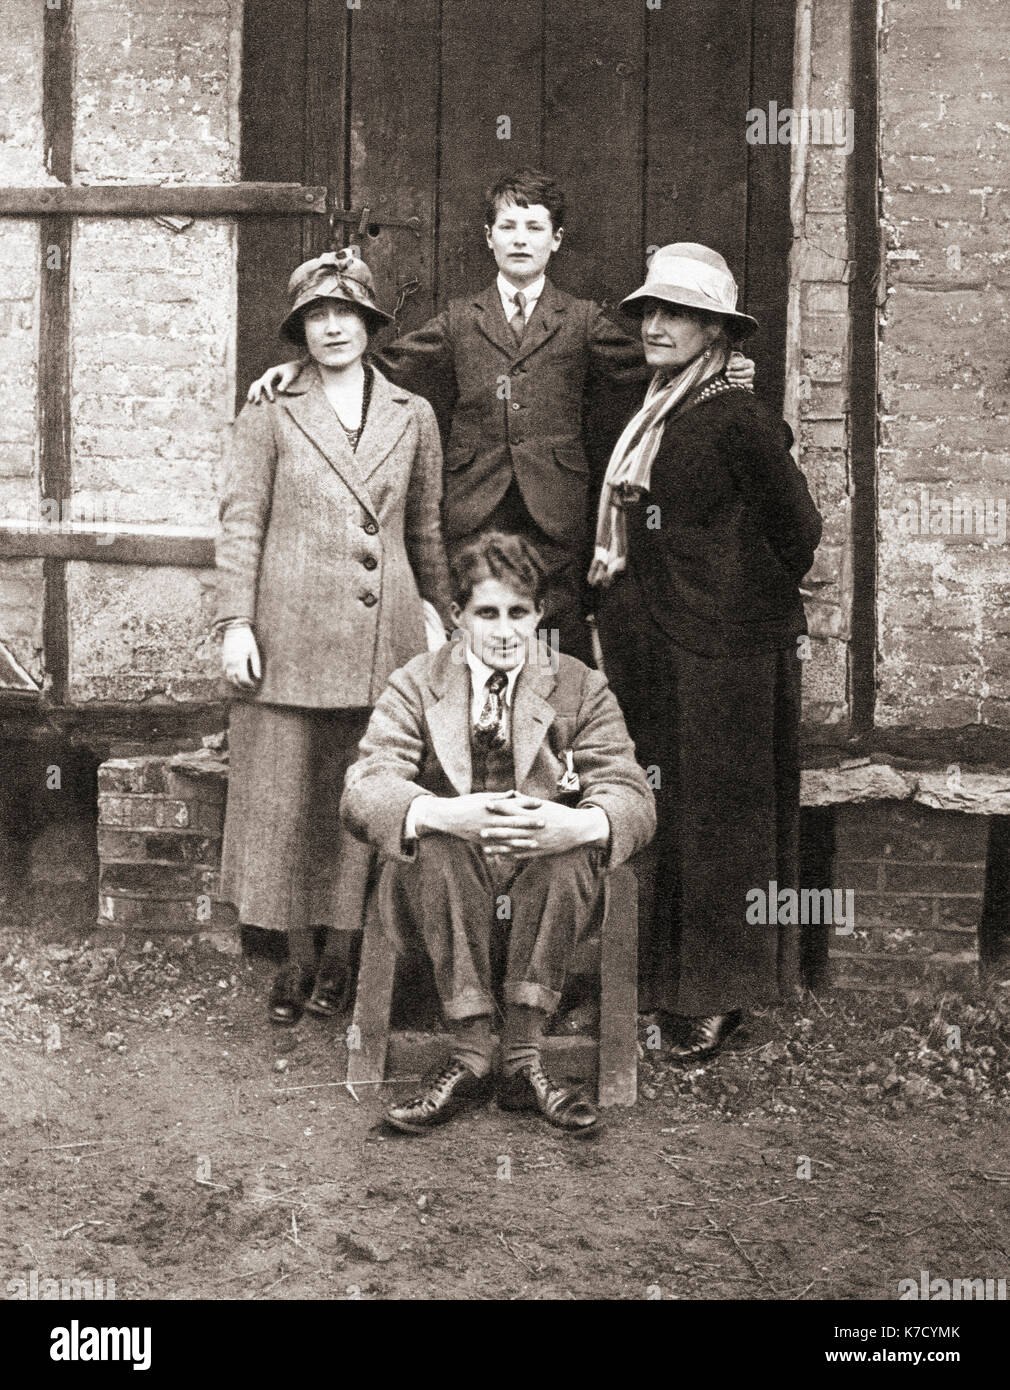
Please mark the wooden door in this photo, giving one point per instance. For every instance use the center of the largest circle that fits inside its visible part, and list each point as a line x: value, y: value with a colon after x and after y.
x: 408, y: 109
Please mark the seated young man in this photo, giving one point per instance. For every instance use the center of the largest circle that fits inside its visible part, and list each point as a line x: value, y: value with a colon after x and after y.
x: 498, y: 782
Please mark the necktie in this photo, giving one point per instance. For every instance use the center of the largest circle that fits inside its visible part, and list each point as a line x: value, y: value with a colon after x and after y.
x: 519, y: 317
x: 491, y: 729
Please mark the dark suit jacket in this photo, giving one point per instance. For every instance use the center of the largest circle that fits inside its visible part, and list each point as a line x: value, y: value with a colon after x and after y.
x: 515, y: 411
x: 418, y: 740
x: 717, y: 567
x: 329, y: 551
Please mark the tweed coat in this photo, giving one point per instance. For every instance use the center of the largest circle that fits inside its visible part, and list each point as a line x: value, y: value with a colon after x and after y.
x: 329, y: 551
x: 418, y: 741
x: 514, y: 410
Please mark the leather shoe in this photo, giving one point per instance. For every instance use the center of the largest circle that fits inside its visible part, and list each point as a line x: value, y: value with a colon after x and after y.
x: 582, y: 1021
x: 291, y: 987
x: 330, y: 997
x: 706, y: 1036
x: 532, y: 1089
x: 451, y: 1090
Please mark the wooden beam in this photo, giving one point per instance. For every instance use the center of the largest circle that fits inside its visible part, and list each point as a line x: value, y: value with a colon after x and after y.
x: 865, y: 218
x: 109, y: 543
x: 154, y: 200
x: 53, y: 408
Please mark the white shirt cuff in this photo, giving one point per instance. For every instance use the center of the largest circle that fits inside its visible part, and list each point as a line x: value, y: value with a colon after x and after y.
x: 409, y: 827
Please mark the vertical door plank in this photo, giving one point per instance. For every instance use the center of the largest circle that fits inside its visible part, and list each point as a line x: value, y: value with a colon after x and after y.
x: 395, y: 55
x: 273, y: 150
x: 769, y: 231
x: 698, y: 77
x: 327, y: 29
x: 594, y: 64
x: 492, y: 66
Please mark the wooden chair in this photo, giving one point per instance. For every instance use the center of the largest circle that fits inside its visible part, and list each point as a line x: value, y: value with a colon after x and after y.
x: 609, y: 950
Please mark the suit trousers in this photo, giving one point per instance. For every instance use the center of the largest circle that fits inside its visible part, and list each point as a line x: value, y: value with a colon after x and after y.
x: 286, y: 861
x: 463, y: 904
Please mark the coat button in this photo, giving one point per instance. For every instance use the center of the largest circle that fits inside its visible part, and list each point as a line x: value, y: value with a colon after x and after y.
x: 369, y: 562
x: 369, y: 600
x: 515, y: 405
x: 370, y: 528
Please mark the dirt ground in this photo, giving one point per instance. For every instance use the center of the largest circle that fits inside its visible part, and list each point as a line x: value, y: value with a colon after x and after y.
x: 164, y: 1136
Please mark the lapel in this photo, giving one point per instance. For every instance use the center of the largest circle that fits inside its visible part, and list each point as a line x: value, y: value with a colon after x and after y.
x: 388, y: 414
x: 546, y: 319
x: 449, y: 718
x: 532, y: 715
x: 306, y: 403
x: 490, y: 319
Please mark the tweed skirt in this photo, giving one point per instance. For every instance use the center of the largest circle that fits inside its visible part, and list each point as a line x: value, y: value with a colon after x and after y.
x: 286, y: 861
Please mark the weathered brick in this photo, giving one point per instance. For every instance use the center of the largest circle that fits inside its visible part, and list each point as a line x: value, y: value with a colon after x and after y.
x: 151, y: 914
x: 121, y: 775
x: 899, y: 909
x: 157, y: 881
x: 934, y: 879
x: 866, y: 876
x: 166, y: 847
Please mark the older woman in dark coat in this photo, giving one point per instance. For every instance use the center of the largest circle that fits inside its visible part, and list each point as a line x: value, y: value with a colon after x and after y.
x: 705, y: 529
x: 330, y: 539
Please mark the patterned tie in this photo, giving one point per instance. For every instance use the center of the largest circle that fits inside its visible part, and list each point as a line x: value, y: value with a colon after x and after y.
x: 491, y: 729
x: 519, y: 317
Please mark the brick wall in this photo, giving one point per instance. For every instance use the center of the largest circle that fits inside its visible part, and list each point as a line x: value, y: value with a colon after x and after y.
x: 944, y: 391
x: 153, y: 320
x: 919, y: 879
x: 21, y: 162
x: 817, y: 394
x: 152, y: 329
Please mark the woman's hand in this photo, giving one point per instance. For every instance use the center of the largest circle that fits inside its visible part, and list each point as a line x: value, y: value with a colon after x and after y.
x: 278, y: 379
x: 240, y: 657
x: 739, y: 370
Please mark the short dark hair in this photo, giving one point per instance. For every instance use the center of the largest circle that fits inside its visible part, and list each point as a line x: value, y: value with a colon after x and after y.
x: 497, y: 555
x: 528, y: 188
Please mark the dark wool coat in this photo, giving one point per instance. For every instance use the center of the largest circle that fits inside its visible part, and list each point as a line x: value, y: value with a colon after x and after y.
x: 329, y: 551
x: 717, y: 547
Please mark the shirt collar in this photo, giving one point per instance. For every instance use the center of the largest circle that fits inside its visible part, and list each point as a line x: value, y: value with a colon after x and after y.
x: 508, y: 293
x: 481, y: 674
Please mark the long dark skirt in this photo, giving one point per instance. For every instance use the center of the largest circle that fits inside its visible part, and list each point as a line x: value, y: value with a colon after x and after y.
x: 286, y: 862
x: 720, y: 736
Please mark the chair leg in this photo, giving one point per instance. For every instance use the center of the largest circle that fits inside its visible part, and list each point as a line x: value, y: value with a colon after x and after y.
x: 618, y: 1076
x: 368, y: 1040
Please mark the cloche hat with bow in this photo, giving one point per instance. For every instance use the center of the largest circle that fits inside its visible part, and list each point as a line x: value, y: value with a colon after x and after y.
x: 341, y: 275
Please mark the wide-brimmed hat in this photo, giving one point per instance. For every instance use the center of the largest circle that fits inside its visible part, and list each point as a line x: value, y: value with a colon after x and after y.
x: 339, y: 275
x: 695, y: 277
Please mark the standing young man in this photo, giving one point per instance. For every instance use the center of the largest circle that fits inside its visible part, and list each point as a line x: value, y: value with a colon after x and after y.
x: 508, y: 371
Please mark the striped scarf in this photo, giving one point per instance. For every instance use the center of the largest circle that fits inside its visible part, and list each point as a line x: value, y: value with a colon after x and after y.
x: 629, y: 471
